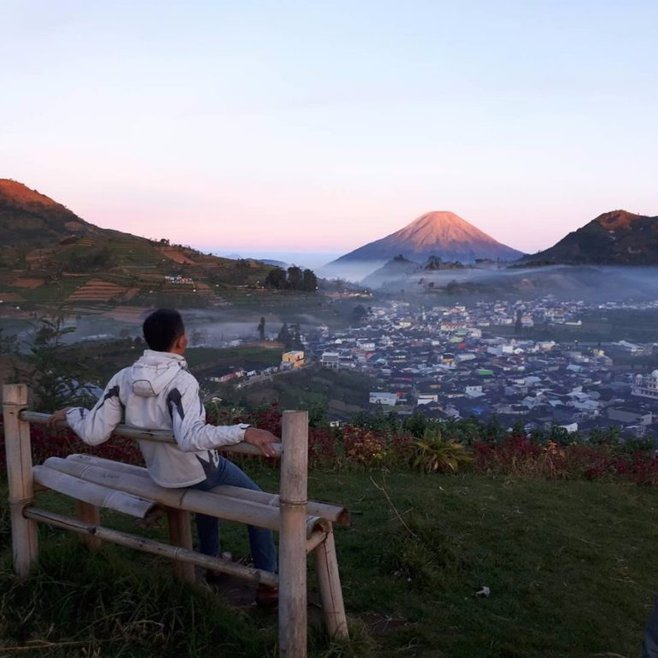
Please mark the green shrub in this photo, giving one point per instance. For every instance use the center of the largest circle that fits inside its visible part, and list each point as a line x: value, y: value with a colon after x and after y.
x: 434, y: 454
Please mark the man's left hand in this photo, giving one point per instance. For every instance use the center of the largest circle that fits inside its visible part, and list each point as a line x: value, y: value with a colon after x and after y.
x: 263, y: 440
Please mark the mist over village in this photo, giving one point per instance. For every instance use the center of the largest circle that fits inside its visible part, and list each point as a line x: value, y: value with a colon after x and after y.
x: 329, y: 330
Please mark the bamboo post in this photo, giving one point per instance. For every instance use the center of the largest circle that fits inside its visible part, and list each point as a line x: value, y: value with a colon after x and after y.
x: 180, y: 534
x: 24, y: 540
x: 292, y: 538
x: 89, y: 514
x: 330, y: 588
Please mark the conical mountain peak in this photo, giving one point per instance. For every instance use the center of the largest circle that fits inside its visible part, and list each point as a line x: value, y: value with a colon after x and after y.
x: 441, y: 228
x: 438, y: 233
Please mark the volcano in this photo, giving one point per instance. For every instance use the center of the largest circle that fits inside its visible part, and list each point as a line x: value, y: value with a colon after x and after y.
x: 439, y: 233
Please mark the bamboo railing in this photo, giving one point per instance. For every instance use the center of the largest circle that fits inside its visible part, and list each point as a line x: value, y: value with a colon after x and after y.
x: 304, y: 526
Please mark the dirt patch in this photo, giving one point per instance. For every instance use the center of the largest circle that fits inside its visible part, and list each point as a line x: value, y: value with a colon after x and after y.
x: 39, y: 257
x: 28, y: 282
x: 176, y: 256
x: 10, y: 297
x: 97, y: 290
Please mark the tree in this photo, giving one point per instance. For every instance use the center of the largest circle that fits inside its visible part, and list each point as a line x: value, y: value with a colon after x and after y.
x: 284, y: 335
x: 296, y: 339
x: 295, y: 278
x: 518, y: 325
x: 276, y: 278
x: 310, y: 281
x: 358, y: 314
x: 261, y: 328
x: 433, y: 263
x: 56, y: 380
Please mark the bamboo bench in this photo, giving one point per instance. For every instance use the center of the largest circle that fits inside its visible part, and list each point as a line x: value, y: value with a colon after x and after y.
x: 94, y: 483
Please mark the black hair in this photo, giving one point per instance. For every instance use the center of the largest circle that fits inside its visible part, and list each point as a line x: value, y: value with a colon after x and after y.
x: 162, y: 329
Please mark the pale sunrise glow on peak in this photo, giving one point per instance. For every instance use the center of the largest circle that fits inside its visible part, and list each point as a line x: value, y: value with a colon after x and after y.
x: 276, y: 127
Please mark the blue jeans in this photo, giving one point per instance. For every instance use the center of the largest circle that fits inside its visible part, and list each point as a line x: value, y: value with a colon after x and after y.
x: 261, y: 542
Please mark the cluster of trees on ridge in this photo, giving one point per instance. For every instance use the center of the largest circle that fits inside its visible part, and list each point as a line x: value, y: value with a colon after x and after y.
x: 294, y: 278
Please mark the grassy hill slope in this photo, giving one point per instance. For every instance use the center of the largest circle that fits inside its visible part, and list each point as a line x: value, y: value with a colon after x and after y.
x: 570, y: 566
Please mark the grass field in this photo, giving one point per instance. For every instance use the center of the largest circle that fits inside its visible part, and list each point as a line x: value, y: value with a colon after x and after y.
x: 312, y: 388
x: 570, y: 565
x: 248, y: 357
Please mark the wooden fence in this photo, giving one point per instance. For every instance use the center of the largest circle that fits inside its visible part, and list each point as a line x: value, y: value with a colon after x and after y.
x: 304, y: 526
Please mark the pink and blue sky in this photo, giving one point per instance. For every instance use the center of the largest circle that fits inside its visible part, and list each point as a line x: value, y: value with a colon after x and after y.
x: 280, y: 127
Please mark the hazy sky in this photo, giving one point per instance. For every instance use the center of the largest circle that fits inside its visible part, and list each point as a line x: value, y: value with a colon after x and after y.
x: 256, y: 126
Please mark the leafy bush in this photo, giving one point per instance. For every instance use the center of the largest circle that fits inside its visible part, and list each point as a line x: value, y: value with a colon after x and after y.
x: 433, y: 454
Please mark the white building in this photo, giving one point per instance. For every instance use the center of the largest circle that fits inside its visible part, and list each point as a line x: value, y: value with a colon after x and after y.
x: 474, y: 391
x: 330, y: 360
x: 382, y: 397
x: 646, y: 387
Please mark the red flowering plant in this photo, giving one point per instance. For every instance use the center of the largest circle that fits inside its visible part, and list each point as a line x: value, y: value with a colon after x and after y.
x: 322, y: 447
x: 363, y: 446
x: 321, y: 440
x: 521, y: 455
x: 267, y: 417
x: 402, y: 448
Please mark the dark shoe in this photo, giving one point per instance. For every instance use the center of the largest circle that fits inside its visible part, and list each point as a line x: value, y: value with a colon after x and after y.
x: 216, y: 578
x: 267, y: 596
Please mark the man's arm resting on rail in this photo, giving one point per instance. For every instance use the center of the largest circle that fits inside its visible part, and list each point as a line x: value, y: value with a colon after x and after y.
x: 192, y: 434
x: 96, y: 425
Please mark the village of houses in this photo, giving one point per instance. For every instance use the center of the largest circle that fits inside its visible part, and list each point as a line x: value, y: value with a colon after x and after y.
x: 450, y: 363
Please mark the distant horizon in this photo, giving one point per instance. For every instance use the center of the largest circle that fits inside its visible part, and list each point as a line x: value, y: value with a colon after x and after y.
x: 312, y: 260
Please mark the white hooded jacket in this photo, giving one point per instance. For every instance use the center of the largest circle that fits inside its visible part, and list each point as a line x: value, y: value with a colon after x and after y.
x: 158, y: 393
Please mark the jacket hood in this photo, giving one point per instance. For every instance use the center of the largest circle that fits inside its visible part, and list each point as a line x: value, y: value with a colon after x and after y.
x: 154, y: 371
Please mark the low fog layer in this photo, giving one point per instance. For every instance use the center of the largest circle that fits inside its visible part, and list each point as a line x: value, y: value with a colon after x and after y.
x: 590, y: 283
x: 205, y: 328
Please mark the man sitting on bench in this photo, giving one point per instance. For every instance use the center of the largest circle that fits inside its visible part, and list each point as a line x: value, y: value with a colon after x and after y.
x: 158, y: 393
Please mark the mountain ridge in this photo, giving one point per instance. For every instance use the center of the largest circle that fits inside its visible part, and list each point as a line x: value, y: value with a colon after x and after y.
x: 29, y: 215
x: 48, y: 253
x: 616, y: 237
